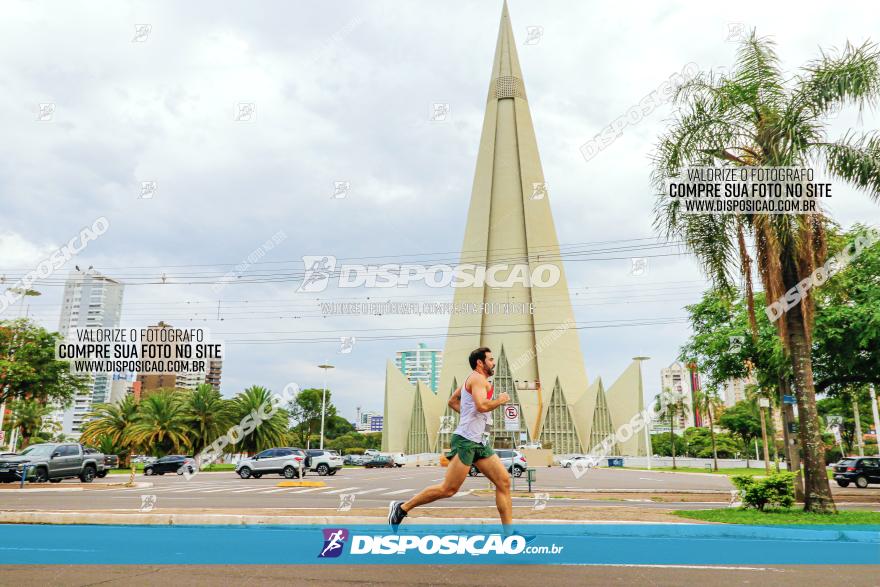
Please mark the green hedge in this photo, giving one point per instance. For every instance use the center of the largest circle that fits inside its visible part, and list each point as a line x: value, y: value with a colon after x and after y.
x: 777, y: 490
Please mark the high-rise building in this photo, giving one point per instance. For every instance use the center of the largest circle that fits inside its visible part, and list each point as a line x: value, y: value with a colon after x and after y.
x: 510, y: 232
x: 421, y: 364
x: 183, y: 380
x: 679, y: 379
x: 365, y: 419
x: 91, y: 300
x: 735, y: 389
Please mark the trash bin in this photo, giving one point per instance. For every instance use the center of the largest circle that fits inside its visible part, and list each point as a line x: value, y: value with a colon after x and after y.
x: 615, y: 462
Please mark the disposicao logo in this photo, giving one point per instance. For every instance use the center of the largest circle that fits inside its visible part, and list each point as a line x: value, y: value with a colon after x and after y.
x: 334, y: 542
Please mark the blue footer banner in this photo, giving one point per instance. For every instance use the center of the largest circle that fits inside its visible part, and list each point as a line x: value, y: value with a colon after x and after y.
x: 655, y: 544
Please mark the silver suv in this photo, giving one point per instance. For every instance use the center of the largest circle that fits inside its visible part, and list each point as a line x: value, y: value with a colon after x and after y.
x: 513, y: 461
x: 324, y: 462
x: 289, y: 462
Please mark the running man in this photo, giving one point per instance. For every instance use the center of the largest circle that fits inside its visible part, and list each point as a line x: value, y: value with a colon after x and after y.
x: 469, y: 444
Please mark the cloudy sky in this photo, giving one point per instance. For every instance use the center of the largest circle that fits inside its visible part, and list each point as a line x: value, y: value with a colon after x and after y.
x: 343, y: 92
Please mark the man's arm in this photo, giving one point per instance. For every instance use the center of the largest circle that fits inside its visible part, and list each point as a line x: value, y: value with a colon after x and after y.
x: 455, y: 401
x: 480, y: 393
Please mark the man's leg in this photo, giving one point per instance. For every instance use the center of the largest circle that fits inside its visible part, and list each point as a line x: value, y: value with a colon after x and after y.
x: 456, y: 473
x: 494, y: 470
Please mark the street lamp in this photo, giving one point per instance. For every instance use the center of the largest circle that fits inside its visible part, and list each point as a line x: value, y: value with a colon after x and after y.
x: 325, y: 367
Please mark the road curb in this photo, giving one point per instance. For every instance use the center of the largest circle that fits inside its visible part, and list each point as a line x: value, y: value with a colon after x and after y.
x: 95, y: 487
x: 176, y: 519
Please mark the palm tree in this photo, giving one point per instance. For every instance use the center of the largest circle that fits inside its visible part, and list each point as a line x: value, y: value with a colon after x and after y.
x: 672, y: 408
x: 755, y: 393
x: 112, y: 423
x: 27, y: 415
x: 269, y: 433
x: 755, y: 116
x: 208, y: 416
x: 708, y: 402
x: 161, y: 424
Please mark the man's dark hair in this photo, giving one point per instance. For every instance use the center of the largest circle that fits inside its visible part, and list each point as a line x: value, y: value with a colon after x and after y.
x: 478, y: 355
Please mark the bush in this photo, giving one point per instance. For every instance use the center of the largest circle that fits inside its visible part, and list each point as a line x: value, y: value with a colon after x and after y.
x: 777, y: 490
x: 832, y: 454
x: 354, y: 451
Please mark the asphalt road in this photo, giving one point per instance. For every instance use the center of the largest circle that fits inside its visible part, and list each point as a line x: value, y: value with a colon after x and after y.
x: 423, y: 575
x: 370, y: 488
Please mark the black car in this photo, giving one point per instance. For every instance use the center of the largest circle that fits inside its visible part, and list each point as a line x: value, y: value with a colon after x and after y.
x: 858, y: 470
x: 170, y: 464
x: 379, y: 461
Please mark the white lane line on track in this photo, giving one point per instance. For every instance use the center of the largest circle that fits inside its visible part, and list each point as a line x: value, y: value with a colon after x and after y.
x: 399, y: 491
x: 307, y: 489
x: 340, y: 490
x: 216, y: 490
x: 248, y: 490
x: 374, y: 490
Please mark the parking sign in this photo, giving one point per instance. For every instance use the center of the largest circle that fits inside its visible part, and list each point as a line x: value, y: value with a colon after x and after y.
x: 511, y: 417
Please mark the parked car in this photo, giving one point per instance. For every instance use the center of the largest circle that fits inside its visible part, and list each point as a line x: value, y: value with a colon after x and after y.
x: 110, y: 462
x: 170, y: 464
x: 513, y: 460
x: 286, y: 461
x: 354, y: 459
x: 379, y: 461
x: 583, y: 459
x: 52, y: 462
x: 101, y: 458
x: 858, y: 470
x: 324, y: 462
x: 371, y: 452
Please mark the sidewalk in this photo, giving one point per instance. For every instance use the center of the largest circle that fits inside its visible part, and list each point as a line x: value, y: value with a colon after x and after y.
x: 425, y: 515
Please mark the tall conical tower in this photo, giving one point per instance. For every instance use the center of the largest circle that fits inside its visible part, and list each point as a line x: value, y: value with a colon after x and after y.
x: 510, y: 223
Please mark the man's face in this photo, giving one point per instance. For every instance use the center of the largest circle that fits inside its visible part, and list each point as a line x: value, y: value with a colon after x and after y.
x: 489, y: 365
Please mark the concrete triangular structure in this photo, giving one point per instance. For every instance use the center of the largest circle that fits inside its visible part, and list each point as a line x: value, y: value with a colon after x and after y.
x: 603, y: 424
x: 417, y: 440
x: 505, y: 383
x: 559, y: 420
x: 399, y: 398
x: 625, y: 399
x: 509, y: 222
x: 444, y: 433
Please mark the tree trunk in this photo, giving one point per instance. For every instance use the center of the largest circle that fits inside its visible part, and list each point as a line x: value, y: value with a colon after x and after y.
x: 712, y: 435
x: 817, y: 491
x: 672, y: 436
x: 764, y: 441
x: 792, y: 448
x: 858, y: 421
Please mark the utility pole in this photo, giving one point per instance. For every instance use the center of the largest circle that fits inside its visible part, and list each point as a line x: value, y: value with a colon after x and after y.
x: 857, y: 418
x: 789, y: 434
x: 764, y: 403
x: 876, y: 415
x: 325, y: 367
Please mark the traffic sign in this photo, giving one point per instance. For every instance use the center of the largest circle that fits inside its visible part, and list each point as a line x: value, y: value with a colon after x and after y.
x: 511, y: 417
x: 833, y: 420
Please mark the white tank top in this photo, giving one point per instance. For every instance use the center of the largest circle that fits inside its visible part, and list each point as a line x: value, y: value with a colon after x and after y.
x: 472, y: 423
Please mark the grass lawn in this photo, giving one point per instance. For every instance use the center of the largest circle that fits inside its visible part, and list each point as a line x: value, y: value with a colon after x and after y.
x: 778, y: 517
